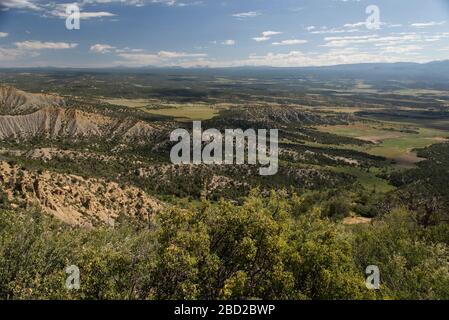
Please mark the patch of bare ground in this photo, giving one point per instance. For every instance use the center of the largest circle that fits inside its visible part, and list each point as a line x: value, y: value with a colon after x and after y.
x: 408, y: 159
x: 378, y: 139
x: 356, y: 220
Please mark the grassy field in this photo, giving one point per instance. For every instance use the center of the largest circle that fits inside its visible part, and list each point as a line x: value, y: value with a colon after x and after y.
x: 186, y: 112
x: 390, y: 140
x: 364, y: 131
x: 130, y: 103
x: 367, y: 179
x: 181, y: 112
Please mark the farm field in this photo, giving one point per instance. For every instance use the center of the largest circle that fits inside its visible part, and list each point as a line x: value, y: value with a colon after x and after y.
x: 131, y: 103
x: 180, y: 112
x: 186, y: 112
x: 393, y: 141
x: 367, y: 178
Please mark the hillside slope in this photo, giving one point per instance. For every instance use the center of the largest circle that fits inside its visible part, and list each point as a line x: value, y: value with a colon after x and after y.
x: 14, y: 101
x: 26, y: 116
x: 74, y: 199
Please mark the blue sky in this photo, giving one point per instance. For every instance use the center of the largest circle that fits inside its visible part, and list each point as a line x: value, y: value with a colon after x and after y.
x: 220, y: 33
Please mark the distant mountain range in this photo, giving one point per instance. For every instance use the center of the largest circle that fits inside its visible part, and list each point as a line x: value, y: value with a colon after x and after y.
x: 402, y: 71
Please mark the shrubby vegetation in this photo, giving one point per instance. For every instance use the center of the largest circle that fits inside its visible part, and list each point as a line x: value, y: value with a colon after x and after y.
x: 267, y: 248
x: 425, y: 189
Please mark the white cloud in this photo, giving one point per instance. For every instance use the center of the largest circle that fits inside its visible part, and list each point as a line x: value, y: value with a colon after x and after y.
x: 101, y: 48
x: 8, y: 54
x: 139, y: 59
x: 379, y: 41
x: 355, y: 25
x: 162, y: 58
x: 38, y: 45
x: 299, y: 59
x: 188, y: 4
x: 347, y: 28
x: 266, y: 35
x: 427, y: 24
x: 326, y: 30
x: 369, y: 39
x: 245, y: 15
x: 19, y: 4
x: 90, y: 15
x: 129, y: 50
x: 127, y: 2
x: 289, y: 42
x: 53, y: 9
x: 59, y: 11
x: 228, y: 42
x: 334, y: 31
x: 270, y: 33
x: 174, y: 54
x: 402, y: 49
x: 140, y: 3
x: 261, y: 39
x: 3, y: 34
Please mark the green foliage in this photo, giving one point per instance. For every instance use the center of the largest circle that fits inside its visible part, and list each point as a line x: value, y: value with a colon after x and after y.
x: 411, y: 267
x: 267, y: 248
x: 338, y: 207
x: 425, y: 189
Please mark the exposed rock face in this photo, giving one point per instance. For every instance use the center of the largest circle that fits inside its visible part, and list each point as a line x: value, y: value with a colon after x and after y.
x: 75, y: 200
x: 48, y: 122
x: 55, y: 122
x: 27, y: 116
x: 13, y: 101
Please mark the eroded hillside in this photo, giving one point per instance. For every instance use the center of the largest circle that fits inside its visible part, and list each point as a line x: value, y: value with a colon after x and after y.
x: 27, y: 116
x: 74, y: 199
x: 14, y: 101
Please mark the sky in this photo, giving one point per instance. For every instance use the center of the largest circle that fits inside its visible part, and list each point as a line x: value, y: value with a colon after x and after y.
x: 222, y: 33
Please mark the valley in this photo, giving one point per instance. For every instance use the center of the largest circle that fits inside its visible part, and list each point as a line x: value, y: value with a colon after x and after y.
x: 85, y: 155
x: 124, y: 138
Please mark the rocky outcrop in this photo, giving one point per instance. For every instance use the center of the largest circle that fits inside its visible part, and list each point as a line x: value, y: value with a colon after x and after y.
x: 74, y: 199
